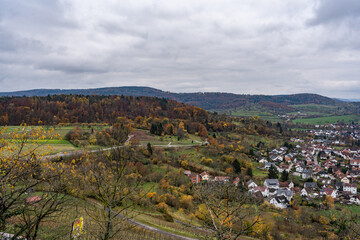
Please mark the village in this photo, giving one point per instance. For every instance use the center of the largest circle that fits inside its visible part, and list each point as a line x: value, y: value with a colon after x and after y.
x: 312, y: 169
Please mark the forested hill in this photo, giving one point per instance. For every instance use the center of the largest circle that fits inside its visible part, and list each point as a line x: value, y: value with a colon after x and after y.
x: 56, y: 109
x: 207, y: 100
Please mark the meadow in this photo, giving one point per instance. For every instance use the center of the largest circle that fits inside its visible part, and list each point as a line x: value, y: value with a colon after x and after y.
x: 328, y: 120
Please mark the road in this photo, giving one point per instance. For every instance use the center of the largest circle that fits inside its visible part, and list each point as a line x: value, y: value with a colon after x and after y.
x: 80, y: 152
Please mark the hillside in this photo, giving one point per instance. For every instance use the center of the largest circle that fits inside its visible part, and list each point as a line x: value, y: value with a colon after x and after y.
x: 207, y: 100
x: 89, y: 109
x: 269, y: 107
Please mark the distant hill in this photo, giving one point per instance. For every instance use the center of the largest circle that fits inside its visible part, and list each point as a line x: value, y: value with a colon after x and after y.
x: 207, y: 100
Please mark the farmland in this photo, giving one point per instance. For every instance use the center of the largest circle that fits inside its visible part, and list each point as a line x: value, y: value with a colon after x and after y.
x: 328, y: 120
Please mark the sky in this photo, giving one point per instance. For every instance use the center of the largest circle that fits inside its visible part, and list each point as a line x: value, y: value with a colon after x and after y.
x: 246, y: 47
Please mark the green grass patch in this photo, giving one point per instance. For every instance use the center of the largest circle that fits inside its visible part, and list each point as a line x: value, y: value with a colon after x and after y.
x: 329, y: 120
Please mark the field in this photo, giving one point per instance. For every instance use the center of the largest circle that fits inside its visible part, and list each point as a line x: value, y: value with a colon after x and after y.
x: 58, y: 143
x: 329, y: 120
x: 304, y: 113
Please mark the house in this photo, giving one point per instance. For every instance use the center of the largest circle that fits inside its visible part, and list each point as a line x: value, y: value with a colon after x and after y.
x: 236, y: 181
x: 339, y: 185
x: 195, y: 178
x: 251, y: 184
x: 355, y: 199
x: 272, y: 183
x: 283, y: 167
x: 323, y: 174
x: 286, y: 184
x: 345, y: 180
x: 355, y: 163
x: 309, y: 192
x: 263, y: 190
x: 205, y: 176
x: 280, y: 202
x: 329, y: 192
x: 263, y: 160
x: 325, y: 180
x: 286, y: 193
x: 350, y: 187
x: 187, y: 172
x: 353, y: 173
x: 268, y: 165
x: 272, y: 192
x: 307, y: 173
x: 222, y: 179
x: 299, y: 168
x: 311, y: 185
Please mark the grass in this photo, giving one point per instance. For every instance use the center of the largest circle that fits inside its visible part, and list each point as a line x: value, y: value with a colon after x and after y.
x: 338, y: 210
x: 260, y: 173
x: 329, y: 120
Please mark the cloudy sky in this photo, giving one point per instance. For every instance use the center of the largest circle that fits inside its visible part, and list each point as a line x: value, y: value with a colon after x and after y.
x: 247, y: 46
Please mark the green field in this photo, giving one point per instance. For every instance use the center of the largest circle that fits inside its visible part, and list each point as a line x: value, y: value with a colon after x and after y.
x: 329, y: 120
x: 57, y: 143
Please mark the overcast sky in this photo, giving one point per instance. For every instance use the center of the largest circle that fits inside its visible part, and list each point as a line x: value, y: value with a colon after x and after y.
x: 247, y: 46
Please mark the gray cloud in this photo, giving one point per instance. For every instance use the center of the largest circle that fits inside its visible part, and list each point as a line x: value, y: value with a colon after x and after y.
x: 334, y: 11
x: 258, y: 47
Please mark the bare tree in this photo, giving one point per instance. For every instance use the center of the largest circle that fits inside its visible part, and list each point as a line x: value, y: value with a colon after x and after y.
x: 230, y: 211
x: 115, y: 188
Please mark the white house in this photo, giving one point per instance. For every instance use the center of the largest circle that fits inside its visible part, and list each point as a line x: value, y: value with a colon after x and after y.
x: 355, y: 163
x: 355, y: 199
x: 205, y: 176
x: 280, y: 202
x: 272, y: 183
x: 329, y: 192
x: 264, y: 190
x: 307, y: 173
x: 308, y: 192
x: 251, y: 184
x: 345, y: 180
x: 286, y: 193
x: 263, y: 160
x: 299, y: 168
x: 350, y: 187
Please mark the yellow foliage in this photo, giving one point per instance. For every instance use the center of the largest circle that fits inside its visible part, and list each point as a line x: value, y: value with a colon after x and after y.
x: 202, y: 212
x: 162, y: 207
x: 151, y: 195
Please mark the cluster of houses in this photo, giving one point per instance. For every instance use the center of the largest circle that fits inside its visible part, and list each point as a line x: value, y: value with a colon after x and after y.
x: 196, y: 178
x: 326, y: 169
x: 278, y: 193
x: 323, y: 167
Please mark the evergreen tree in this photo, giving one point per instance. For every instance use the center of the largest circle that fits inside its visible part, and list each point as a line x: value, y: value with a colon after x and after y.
x: 273, y: 172
x: 249, y: 172
x: 236, y: 166
x: 149, y: 148
x: 284, y: 176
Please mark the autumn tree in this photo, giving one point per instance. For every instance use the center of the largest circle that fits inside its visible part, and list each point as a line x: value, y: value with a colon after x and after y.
x: 115, y: 187
x: 24, y: 169
x: 202, y: 131
x: 230, y: 211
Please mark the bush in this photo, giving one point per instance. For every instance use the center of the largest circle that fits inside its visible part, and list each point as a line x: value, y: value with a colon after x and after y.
x: 162, y: 207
